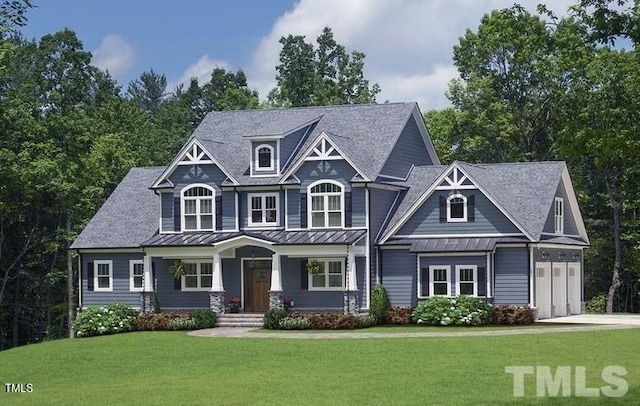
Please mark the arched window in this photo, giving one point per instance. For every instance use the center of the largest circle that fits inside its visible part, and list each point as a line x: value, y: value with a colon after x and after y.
x: 197, y: 208
x: 326, y: 204
x: 456, y: 208
x: 264, y: 159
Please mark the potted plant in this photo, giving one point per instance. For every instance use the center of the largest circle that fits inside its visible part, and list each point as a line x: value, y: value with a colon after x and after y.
x: 286, y: 302
x: 314, y: 267
x: 177, y: 268
x: 234, y: 304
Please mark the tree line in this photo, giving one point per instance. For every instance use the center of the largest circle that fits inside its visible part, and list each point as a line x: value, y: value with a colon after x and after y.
x: 531, y: 86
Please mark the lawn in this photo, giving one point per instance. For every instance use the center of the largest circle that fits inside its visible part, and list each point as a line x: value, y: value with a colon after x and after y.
x: 173, y: 368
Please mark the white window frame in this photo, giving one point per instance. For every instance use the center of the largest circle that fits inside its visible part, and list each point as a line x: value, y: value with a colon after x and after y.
x: 475, y: 278
x: 431, y: 281
x: 326, y: 286
x: 558, y: 215
x: 199, y: 287
x: 132, y: 276
x: 256, y: 159
x: 96, y: 266
x: 325, y: 210
x: 263, y: 200
x: 198, y: 215
x: 463, y: 219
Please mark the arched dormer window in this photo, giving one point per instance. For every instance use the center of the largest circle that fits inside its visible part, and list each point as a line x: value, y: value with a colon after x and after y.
x: 326, y: 204
x: 456, y: 208
x: 197, y: 208
x: 264, y: 158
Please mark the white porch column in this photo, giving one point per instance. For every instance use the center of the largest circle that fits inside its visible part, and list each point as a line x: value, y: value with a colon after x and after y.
x: 148, y: 274
x: 216, y: 283
x: 276, y: 275
x: 351, y: 272
x: 146, y: 296
x: 351, y: 300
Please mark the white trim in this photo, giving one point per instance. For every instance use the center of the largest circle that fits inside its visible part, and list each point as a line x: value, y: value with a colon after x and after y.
x: 326, y: 287
x: 489, y: 291
x: 421, y: 236
x: 301, y: 141
x: 367, y: 259
x: 454, y: 254
x: 80, y: 280
x: 167, y: 172
x: 418, y: 203
x: 286, y: 209
x: 263, y: 209
x: 532, y: 279
x: 96, y: 286
x: 237, y: 209
x: 447, y: 268
x: 558, y: 215
x: 197, y: 214
x: 310, y: 149
x: 559, y: 246
x: 573, y: 204
x: 475, y: 278
x: 564, y: 235
x: 462, y: 219
x: 132, y: 264
x: 107, y: 250
x: 325, y: 196
x: 256, y: 158
x: 198, y: 275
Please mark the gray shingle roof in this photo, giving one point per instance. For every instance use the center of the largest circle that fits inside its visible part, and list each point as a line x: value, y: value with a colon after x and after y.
x: 524, y: 190
x: 128, y: 217
x: 365, y: 133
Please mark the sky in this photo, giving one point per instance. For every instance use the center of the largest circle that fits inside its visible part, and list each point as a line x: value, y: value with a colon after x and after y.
x: 408, y: 43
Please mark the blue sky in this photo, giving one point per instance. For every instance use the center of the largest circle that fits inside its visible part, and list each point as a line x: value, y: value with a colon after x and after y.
x: 408, y: 43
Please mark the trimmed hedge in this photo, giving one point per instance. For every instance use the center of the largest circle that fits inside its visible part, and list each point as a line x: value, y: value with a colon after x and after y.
x: 398, y: 316
x: 504, y: 314
x: 379, y: 303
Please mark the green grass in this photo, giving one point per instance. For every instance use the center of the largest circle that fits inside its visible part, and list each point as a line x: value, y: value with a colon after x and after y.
x: 172, y: 368
x: 412, y: 328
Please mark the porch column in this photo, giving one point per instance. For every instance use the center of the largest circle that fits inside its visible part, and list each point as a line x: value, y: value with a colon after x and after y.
x: 146, y: 296
x: 351, y: 304
x: 216, y: 294
x: 275, y: 290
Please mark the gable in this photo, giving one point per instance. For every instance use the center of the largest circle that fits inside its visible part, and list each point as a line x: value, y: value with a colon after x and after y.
x: 570, y: 226
x: 410, y: 150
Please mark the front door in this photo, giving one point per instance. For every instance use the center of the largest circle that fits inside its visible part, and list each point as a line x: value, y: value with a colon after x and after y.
x: 257, y: 281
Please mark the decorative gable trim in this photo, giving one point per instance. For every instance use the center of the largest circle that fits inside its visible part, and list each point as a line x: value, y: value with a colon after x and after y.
x: 456, y: 180
x: 461, y: 177
x: 322, y: 149
x: 192, y: 153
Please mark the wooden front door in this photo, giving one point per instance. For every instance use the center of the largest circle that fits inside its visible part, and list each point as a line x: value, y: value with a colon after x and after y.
x: 257, y: 281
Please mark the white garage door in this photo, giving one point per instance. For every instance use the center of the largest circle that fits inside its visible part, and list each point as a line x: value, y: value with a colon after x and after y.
x: 575, y: 288
x: 560, y: 288
x: 543, y: 289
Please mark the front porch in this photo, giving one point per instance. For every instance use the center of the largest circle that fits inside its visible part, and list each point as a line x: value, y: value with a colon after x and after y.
x: 259, y: 274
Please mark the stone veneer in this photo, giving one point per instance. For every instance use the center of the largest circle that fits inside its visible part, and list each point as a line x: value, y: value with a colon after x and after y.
x: 275, y: 299
x: 146, y: 302
x: 351, y: 304
x: 216, y: 302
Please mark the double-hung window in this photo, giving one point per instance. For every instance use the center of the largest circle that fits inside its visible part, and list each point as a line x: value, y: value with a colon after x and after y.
x: 331, y: 276
x: 197, y: 276
x: 103, y: 275
x: 263, y: 209
x: 439, y: 280
x: 467, y: 280
x: 326, y: 204
x: 136, y: 275
x: 197, y: 208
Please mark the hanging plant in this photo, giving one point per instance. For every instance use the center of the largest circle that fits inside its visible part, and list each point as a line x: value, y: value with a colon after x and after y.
x: 315, y: 267
x: 177, y: 269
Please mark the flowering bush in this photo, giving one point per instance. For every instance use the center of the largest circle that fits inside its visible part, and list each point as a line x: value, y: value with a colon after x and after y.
x: 444, y: 311
x: 286, y: 302
x: 294, y: 323
x: 182, y: 323
x: 110, y: 319
x: 233, y: 301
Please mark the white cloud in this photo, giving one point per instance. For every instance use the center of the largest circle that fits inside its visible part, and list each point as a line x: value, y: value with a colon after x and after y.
x: 114, y: 54
x: 201, y: 70
x: 408, y: 43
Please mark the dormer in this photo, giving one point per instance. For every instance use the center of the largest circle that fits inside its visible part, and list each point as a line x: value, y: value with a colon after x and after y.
x: 265, y: 157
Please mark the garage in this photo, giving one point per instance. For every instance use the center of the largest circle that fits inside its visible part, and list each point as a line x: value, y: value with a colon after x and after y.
x: 558, y: 284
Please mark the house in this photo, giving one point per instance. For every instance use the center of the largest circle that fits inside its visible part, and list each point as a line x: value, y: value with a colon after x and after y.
x: 254, y: 196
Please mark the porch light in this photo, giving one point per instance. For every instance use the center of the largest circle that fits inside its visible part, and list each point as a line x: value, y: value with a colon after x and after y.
x: 545, y: 255
x: 561, y: 255
x: 576, y: 256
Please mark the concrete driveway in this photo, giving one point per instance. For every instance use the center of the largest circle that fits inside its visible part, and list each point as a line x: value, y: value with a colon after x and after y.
x: 621, y: 319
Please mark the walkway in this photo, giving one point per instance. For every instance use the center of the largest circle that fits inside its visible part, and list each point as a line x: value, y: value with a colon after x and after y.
x: 622, y: 319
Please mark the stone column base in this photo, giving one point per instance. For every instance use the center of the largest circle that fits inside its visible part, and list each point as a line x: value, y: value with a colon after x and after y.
x: 351, y: 303
x: 275, y: 299
x: 146, y: 302
x: 216, y: 302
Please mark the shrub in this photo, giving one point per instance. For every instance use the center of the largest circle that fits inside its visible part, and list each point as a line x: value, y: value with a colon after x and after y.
x: 294, y: 323
x: 204, y: 318
x: 366, y: 321
x: 379, y: 303
x: 155, y: 322
x: 272, y: 318
x: 332, y: 321
x: 398, y: 315
x: 182, y: 323
x: 597, y: 304
x: 504, y: 314
x: 110, y: 319
x: 461, y: 310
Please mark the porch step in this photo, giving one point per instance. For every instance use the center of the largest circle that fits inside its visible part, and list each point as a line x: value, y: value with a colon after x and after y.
x: 241, y: 320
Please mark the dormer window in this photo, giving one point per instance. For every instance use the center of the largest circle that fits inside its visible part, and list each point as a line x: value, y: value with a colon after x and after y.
x: 456, y: 208
x: 264, y: 158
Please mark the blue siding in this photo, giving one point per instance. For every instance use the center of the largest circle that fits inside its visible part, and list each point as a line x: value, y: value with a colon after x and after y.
x: 304, y: 299
x: 380, y: 202
x: 293, y: 208
x: 228, y: 210
x: 120, y: 272
x: 409, y: 150
x: 452, y: 261
x: 166, y: 201
x: 511, y: 276
x: 289, y: 143
x: 361, y: 264
x: 358, y: 208
x: 399, y: 276
x: 488, y: 219
x: 338, y: 170
x: 570, y: 226
x: 185, y: 175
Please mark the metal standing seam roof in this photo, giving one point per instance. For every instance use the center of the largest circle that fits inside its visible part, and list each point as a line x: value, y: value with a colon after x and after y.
x: 460, y: 244
x: 277, y: 237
